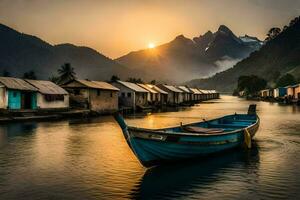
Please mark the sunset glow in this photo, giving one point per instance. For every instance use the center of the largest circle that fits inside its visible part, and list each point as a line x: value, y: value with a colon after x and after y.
x: 151, y: 45
x: 131, y: 26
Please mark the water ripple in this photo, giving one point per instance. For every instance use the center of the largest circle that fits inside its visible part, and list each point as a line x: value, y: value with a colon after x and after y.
x: 89, y: 159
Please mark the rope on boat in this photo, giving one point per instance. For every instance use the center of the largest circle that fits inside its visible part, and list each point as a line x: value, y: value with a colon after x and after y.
x: 247, y: 139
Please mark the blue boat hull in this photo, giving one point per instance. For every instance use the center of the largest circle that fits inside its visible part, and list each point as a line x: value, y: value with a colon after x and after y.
x: 152, y: 147
x: 153, y: 152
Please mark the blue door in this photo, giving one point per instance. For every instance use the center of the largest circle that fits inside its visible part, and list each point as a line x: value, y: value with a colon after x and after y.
x: 14, y: 99
x: 33, y: 101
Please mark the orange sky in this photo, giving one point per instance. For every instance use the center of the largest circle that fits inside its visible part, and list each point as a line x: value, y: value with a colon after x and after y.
x: 115, y: 28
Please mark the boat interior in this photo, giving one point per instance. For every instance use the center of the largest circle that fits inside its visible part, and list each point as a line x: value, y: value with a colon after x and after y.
x: 220, y: 125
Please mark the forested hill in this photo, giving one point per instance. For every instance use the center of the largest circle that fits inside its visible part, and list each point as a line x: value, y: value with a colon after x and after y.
x: 277, y: 57
x: 20, y: 53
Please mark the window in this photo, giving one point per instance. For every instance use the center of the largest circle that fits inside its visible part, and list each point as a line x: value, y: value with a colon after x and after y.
x: 98, y: 92
x: 111, y: 94
x: 54, y: 97
x: 129, y: 95
x: 77, y: 92
x: 123, y: 94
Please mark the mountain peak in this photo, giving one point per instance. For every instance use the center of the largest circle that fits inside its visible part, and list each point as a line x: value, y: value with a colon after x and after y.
x: 208, y: 34
x: 224, y: 29
x: 181, y: 37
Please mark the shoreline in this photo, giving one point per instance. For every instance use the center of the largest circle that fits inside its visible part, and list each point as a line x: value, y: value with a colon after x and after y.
x: 56, y: 115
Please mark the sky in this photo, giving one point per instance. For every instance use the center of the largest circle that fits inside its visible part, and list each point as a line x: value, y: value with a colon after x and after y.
x: 116, y: 27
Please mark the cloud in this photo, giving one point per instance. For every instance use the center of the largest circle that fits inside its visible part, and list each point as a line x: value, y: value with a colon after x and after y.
x: 226, y: 62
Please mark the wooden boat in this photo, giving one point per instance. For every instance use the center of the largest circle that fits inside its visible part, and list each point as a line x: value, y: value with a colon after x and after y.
x: 155, y: 146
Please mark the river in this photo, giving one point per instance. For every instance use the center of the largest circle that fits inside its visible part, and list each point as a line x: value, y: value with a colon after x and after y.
x: 89, y: 159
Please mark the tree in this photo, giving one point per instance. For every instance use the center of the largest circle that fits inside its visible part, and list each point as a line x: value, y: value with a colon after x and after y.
x: 54, y: 79
x: 273, y: 32
x: 251, y: 84
x: 286, y: 80
x: 135, y: 80
x: 153, y: 82
x: 294, y: 21
x: 5, y: 73
x: 285, y: 27
x: 30, y: 75
x: 114, y: 78
x: 66, y: 73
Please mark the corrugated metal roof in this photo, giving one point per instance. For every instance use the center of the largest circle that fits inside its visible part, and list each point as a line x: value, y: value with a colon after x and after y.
x: 264, y: 90
x: 47, y: 87
x: 184, y: 89
x: 17, y: 84
x: 132, y: 86
x: 201, y: 91
x: 146, y: 87
x: 96, y: 84
x: 294, y: 86
x: 204, y: 91
x: 195, y: 91
x: 157, y: 88
x: 172, y: 88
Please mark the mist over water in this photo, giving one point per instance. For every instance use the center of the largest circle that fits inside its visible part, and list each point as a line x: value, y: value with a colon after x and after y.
x: 89, y: 159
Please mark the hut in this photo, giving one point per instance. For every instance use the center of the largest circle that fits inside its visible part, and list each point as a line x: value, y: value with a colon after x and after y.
x: 297, y: 91
x: 264, y: 93
x: 293, y: 91
x: 97, y: 96
x: 212, y: 94
x: 131, y: 95
x: 152, y: 95
x: 50, y: 95
x: 241, y: 93
x: 209, y: 93
x: 174, y: 95
x: 216, y: 94
x: 279, y: 92
x: 17, y: 94
x: 271, y: 92
x: 162, y: 95
x: 196, y: 96
x: 205, y: 95
x: 186, y: 93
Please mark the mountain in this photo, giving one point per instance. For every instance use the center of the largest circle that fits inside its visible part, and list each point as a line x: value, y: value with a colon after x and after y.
x: 275, y: 58
x: 225, y: 43
x: 253, y: 42
x: 183, y: 58
x: 20, y: 53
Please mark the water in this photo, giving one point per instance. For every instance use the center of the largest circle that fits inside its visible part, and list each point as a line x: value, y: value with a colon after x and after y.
x: 90, y: 159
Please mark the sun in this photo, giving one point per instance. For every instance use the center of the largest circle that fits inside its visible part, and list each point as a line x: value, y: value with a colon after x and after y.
x: 151, y: 45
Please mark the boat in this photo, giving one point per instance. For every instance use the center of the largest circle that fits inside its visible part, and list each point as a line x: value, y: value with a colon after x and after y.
x: 193, y: 140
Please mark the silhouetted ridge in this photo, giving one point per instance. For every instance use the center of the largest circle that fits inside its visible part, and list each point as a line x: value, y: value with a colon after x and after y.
x: 20, y: 53
x: 276, y: 58
x: 183, y: 58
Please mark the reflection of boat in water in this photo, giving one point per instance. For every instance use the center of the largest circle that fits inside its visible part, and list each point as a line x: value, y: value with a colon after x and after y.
x: 153, y: 146
x: 194, y: 177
